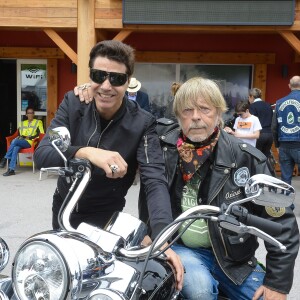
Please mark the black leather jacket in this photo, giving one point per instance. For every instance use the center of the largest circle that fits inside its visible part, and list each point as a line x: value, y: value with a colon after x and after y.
x: 131, y: 133
x: 223, y: 183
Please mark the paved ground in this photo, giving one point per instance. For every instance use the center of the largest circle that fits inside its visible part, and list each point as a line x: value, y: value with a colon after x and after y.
x: 25, y: 209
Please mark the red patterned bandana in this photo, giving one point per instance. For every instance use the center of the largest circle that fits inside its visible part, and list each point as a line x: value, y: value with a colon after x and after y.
x: 192, y: 155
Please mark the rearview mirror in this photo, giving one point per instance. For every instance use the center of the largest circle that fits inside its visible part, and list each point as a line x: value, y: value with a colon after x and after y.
x: 60, y: 136
x: 270, y: 191
x: 60, y: 139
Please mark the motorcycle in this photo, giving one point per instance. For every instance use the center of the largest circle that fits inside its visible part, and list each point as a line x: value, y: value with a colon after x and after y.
x: 111, y: 264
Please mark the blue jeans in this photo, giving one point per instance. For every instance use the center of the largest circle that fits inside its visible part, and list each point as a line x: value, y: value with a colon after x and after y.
x: 13, y: 150
x: 203, y: 277
x: 288, y: 158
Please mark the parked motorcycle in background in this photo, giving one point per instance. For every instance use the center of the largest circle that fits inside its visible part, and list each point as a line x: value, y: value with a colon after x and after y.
x: 111, y: 264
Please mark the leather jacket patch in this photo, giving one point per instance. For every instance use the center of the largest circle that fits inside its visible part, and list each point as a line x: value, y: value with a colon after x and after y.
x: 275, y: 212
x: 233, y: 194
x: 241, y: 176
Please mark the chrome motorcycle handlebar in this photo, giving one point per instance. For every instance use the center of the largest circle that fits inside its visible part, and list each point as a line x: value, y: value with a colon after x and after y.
x: 212, y: 211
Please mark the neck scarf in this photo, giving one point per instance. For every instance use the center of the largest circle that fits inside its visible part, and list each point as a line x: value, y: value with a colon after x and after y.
x: 192, y: 155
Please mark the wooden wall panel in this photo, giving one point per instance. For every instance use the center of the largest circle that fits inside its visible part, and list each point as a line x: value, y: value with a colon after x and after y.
x: 108, y: 4
x: 108, y: 23
x: 39, y: 3
x: 108, y: 14
x: 27, y: 52
x: 38, y: 14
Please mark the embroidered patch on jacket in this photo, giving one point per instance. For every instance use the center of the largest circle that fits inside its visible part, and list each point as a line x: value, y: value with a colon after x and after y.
x: 275, y: 212
x: 233, y: 194
x: 241, y: 176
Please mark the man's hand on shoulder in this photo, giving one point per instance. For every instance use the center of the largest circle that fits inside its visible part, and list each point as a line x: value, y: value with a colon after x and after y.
x: 84, y: 91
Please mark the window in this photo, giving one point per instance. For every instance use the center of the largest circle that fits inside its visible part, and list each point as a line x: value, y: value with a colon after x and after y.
x: 156, y: 79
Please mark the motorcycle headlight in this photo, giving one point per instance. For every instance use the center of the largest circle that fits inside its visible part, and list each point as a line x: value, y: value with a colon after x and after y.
x: 40, y: 272
x: 105, y: 294
x: 4, y: 254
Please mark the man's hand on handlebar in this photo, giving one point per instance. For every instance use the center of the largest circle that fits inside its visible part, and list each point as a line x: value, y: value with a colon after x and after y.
x: 111, y: 162
x: 84, y: 91
x: 175, y: 261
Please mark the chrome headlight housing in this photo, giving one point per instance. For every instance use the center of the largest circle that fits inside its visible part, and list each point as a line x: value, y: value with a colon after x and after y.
x: 4, y: 254
x: 58, y: 266
x: 40, y: 272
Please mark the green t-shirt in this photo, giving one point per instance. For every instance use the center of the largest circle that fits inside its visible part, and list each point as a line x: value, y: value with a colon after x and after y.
x: 197, y: 233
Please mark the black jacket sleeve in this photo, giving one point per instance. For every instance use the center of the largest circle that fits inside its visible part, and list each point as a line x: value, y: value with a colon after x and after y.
x: 45, y: 155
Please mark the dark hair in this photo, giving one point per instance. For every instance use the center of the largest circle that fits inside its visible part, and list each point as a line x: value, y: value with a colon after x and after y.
x: 29, y: 107
x: 242, y: 106
x: 114, y: 50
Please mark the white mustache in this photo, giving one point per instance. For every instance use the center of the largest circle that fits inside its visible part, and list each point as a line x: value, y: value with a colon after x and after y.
x: 195, y: 126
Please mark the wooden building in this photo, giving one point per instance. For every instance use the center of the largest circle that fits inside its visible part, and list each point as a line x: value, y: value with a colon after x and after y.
x: 60, y: 34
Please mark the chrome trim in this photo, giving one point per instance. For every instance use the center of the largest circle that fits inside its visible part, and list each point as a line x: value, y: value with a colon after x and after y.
x: 202, y: 209
x: 108, y: 241
x: 133, y: 233
x: 89, y: 267
x: 4, y: 254
x: 3, y: 296
x: 73, y: 201
x: 114, y: 295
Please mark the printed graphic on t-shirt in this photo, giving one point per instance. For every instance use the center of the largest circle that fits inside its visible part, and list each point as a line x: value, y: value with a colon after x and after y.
x: 242, y: 124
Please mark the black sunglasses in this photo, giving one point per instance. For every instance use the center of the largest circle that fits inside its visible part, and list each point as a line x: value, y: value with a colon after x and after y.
x: 115, y: 79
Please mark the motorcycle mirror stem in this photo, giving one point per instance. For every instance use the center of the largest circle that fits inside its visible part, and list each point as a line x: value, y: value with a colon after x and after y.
x: 54, y: 144
x: 60, y: 139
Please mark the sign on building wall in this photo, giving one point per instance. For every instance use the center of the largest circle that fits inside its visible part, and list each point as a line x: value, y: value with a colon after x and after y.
x: 209, y: 12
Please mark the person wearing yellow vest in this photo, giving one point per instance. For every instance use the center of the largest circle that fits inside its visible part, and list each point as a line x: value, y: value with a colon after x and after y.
x: 28, y: 130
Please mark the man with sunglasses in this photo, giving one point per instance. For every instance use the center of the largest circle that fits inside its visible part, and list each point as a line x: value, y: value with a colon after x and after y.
x: 116, y: 136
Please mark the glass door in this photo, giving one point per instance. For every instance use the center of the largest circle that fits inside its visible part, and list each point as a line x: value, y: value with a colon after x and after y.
x: 32, y: 88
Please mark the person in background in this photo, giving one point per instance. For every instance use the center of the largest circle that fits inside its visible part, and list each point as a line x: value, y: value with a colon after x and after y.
x: 286, y: 130
x: 28, y: 130
x: 264, y: 112
x: 207, y: 166
x: 246, y: 126
x: 116, y: 135
x: 134, y: 93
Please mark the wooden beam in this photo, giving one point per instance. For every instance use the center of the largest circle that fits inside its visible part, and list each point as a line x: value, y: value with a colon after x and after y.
x: 106, y: 23
x: 62, y: 44
x: 260, y: 78
x: 86, y: 37
x: 30, y: 52
x: 122, y: 35
x: 205, y: 57
x: 52, y: 90
x: 293, y: 41
x: 21, y: 23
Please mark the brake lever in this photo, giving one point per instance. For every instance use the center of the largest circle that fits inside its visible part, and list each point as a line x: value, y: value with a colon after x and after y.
x: 235, y: 226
